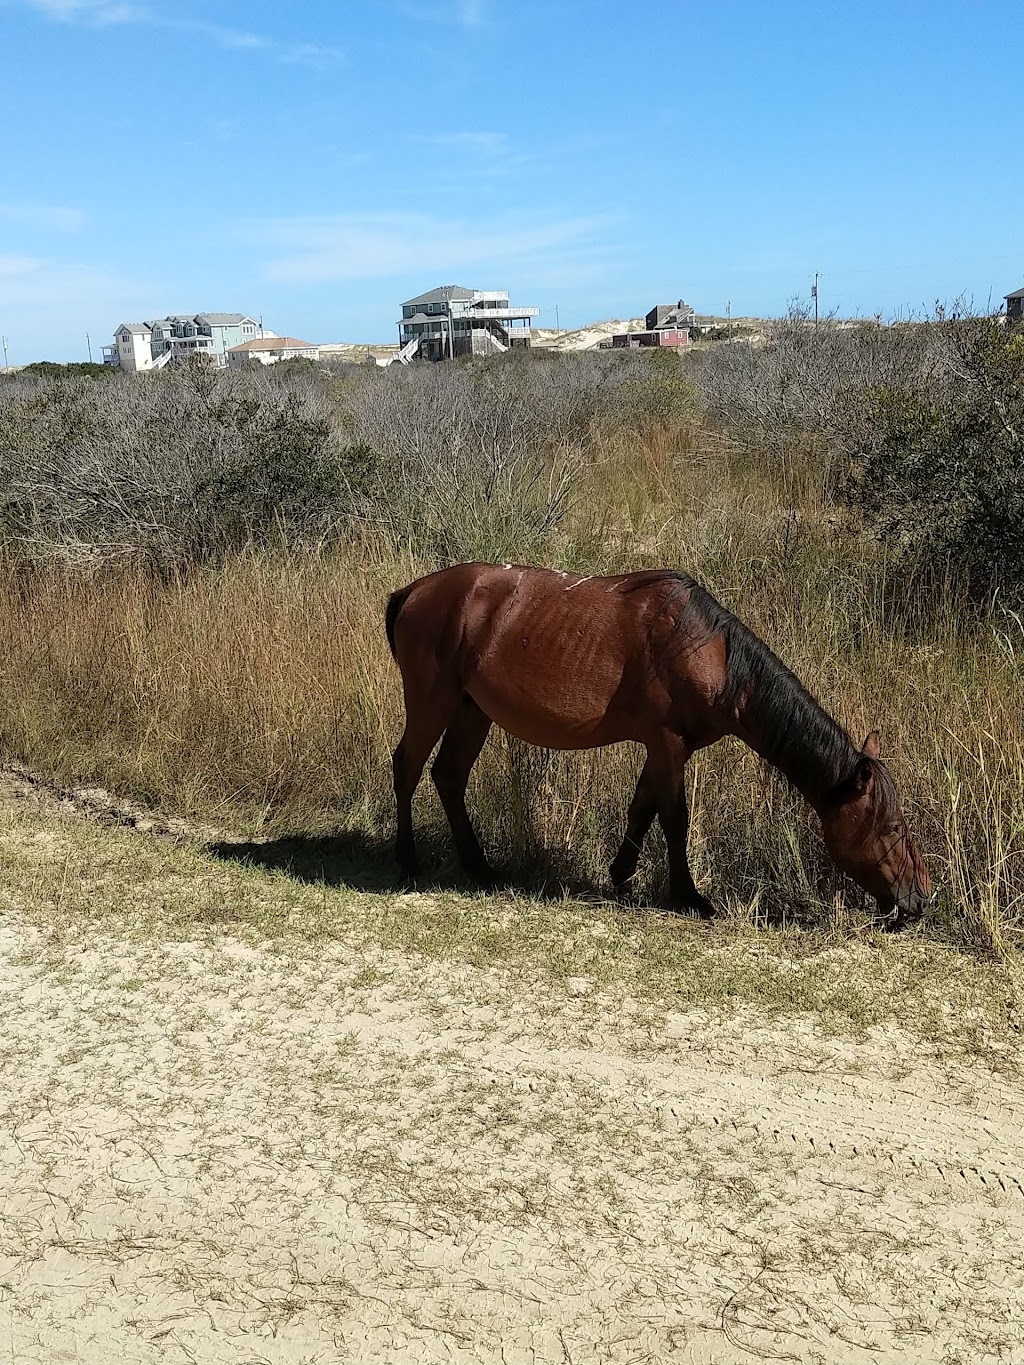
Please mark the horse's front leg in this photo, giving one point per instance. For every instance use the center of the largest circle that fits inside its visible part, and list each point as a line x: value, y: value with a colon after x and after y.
x: 674, y: 817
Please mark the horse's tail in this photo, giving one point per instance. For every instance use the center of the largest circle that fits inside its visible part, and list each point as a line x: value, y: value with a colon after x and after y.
x: 395, y: 604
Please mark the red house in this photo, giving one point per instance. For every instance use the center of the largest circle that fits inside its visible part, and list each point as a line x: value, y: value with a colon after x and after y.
x: 667, y: 325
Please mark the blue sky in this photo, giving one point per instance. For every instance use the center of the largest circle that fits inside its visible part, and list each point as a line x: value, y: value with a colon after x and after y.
x: 318, y: 161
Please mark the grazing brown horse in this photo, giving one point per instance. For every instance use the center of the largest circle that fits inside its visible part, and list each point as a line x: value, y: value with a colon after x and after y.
x: 573, y: 662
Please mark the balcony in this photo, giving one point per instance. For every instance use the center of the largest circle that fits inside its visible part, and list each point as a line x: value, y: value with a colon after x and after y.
x: 440, y: 335
x: 499, y: 314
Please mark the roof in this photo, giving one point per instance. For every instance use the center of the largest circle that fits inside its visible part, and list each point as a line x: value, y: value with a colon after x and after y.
x: 1017, y: 294
x: 276, y: 344
x: 443, y: 294
x: 213, y: 319
x: 224, y: 319
x: 133, y: 327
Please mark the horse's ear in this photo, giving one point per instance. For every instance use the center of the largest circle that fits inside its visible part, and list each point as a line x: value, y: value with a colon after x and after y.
x: 863, y: 775
x: 872, y: 746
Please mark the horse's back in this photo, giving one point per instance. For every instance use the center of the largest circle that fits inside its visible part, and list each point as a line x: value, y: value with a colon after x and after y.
x: 559, y: 659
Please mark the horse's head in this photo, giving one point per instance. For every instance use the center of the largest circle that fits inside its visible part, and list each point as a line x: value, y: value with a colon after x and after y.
x: 867, y: 837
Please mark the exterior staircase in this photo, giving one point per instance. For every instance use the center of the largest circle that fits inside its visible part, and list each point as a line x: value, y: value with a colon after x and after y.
x: 407, y: 352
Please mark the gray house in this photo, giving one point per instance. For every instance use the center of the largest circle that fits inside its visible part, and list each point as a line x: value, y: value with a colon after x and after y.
x: 670, y: 315
x: 207, y: 336
x: 452, y: 321
x: 1015, y: 306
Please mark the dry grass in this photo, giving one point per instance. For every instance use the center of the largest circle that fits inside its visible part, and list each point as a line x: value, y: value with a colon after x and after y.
x: 261, y: 694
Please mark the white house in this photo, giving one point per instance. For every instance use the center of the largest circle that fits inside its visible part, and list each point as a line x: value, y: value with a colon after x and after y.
x: 152, y: 345
x: 268, y: 350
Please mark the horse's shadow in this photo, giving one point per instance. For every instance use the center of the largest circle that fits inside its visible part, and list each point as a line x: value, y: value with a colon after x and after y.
x: 347, y: 859
x: 367, y: 863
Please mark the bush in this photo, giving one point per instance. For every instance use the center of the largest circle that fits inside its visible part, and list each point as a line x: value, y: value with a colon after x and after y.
x: 465, y: 461
x: 481, y: 460
x: 939, y: 465
x: 174, y: 469
x: 50, y: 369
x: 790, y: 382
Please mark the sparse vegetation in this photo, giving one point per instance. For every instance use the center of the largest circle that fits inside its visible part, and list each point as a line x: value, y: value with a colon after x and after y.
x: 196, y: 566
x: 235, y: 1073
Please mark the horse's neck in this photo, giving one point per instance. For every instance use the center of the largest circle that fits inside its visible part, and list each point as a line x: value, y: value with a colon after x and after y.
x: 805, y: 744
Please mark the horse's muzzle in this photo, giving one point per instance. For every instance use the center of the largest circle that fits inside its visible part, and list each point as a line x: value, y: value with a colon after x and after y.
x: 897, y: 914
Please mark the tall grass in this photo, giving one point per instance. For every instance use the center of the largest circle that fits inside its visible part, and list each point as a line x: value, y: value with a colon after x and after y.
x: 259, y: 691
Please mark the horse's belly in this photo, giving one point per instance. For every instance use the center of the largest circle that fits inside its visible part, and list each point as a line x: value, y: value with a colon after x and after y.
x: 554, y: 717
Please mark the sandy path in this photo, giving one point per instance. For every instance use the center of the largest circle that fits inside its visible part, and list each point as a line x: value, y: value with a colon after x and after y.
x: 232, y: 1154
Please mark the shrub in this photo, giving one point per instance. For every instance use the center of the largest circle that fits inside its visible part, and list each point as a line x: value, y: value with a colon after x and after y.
x: 172, y: 469
x: 50, y: 369
x: 939, y: 465
x: 474, y: 460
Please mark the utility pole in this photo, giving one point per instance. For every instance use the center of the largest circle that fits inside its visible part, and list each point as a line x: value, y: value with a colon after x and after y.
x: 557, y: 327
x: 6, y: 365
x: 814, y: 295
x: 728, y: 316
x: 88, y: 343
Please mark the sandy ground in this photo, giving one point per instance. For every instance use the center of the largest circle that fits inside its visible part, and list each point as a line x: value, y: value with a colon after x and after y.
x: 239, y: 1153
x: 584, y: 338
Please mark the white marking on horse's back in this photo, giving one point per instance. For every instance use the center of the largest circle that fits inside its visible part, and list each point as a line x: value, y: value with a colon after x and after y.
x: 578, y: 582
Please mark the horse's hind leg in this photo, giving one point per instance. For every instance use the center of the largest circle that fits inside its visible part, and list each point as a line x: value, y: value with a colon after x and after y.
x: 425, y: 720
x: 460, y: 748
x: 642, y: 810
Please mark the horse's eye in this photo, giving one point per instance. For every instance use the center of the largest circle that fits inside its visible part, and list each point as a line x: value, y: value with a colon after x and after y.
x: 892, y: 829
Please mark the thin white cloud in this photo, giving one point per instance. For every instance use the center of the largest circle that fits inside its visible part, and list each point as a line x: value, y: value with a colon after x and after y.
x: 97, y: 12
x: 320, y: 249
x: 483, y: 152
x: 106, y: 13
x: 48, y: 306
x: 483, y: 144
x: 462, y: 156
x: 239, y: 40
x: 42, y: 217
x: 34, y: 282
x: 451, y: 13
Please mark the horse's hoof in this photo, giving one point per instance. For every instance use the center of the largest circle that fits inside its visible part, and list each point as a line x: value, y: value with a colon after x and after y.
x: 620, y: 878
x: 897, y: 922
x: 699, y: 906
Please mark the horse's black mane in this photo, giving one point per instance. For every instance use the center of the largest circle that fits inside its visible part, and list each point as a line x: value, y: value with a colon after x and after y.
x: 791, y: 729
